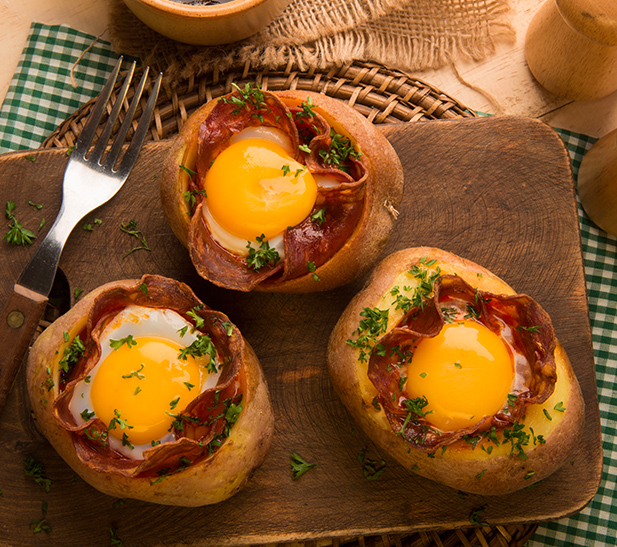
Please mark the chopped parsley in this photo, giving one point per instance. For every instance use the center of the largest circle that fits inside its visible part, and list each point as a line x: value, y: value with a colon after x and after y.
x: 199, y: 321
x: 310, y: 266
x: 340, y: 151
x: 34, y: 469
x: 375, y: 322
x: 476, y: 516
x: 299, y: 466
x: 307, y: 109
x: 118, y: 422
x: 18, y: 235
x: 72, y: 353
x: 87, y: 415
x: 319, y: 216
x: 245, y: 98
x: 201, y: 346
x: 130, y: 228
x: 190, y: 172
x: 135, y: 374
x: 117, y: 344
x: 190, y: 196
x: 372, y: 469
x: 263, y: 256
x: 535, y: 328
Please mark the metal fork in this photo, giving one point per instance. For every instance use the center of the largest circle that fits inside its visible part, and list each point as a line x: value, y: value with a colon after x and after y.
x: 90, y: 180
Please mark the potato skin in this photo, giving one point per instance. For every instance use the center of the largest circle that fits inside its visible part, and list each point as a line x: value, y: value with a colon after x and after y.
x: 209, y: 481
x: 459, y: 466
x: 384, y: 191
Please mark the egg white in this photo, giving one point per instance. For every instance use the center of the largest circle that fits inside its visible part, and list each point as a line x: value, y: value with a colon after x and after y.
x: 137, y: 321
x: 238, y: 245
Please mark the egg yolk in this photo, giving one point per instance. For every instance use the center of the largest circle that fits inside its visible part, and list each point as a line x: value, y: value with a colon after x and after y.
x: 254, y: 187
x: 140, y: 385
x: 465, y: 373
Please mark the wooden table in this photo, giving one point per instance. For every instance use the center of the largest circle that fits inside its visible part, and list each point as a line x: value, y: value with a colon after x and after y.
x: 504, y: 77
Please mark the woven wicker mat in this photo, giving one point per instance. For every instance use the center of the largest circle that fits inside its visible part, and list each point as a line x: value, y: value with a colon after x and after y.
x: 383, y: 96
x: 380, y: 94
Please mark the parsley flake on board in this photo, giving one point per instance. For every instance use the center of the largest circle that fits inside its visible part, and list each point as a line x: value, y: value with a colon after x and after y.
x: 18, y: 235
x: 476, y: 516
x: 10, y: 207
x: 299, y: 466
x: 115, y: 540
x: 130, y: 228
x: 34, y: 469
x: 372, y: 469
x: 40, y: 526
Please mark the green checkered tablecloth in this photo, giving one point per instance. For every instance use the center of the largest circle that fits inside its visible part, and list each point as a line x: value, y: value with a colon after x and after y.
x: 43, y: 94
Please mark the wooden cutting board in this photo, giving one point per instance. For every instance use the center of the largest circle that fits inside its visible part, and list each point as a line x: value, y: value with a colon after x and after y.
x: 498, y: 191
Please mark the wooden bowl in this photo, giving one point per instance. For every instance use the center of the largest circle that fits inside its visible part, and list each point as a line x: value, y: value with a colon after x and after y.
x: 217, y: 24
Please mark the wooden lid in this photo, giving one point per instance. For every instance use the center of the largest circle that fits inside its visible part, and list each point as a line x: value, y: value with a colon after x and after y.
x: 596, y: 19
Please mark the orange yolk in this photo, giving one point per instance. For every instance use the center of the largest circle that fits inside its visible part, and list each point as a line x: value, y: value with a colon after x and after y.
x: 143, y: 383
x: 254, y: 187
x: 465, y: 373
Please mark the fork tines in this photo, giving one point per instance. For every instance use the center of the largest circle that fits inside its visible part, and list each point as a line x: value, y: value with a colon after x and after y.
x: 88, y: 134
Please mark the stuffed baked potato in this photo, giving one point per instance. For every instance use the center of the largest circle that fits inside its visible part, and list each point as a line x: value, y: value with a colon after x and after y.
x: 455, y: 375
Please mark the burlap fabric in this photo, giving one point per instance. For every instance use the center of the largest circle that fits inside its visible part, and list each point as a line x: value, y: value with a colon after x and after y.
x: 408, y: 35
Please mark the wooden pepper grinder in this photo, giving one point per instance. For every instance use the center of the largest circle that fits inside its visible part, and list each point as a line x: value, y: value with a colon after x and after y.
x: 597, y: 183
x: 571, y: 48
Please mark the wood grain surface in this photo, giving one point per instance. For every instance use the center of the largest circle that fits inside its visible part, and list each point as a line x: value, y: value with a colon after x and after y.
x: 498, y: 191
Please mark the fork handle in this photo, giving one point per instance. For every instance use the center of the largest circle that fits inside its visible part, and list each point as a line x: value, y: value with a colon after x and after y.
x: 20, y: 317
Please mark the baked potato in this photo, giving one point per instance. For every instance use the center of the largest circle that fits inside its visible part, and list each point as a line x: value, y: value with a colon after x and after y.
x: 149, y: 394
x: 455, y: 375
x: 283, y: 191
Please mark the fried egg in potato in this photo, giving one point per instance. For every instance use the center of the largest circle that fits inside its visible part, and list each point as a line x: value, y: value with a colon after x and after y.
x: 141, y: 379
x: 455, y: 375
x: 256, y: 189
x: 147, y: 393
